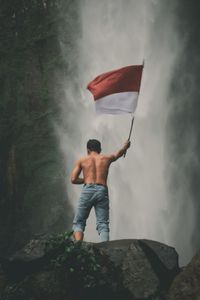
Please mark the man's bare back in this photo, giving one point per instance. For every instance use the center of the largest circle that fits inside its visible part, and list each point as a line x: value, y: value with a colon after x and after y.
x: 95, y: 167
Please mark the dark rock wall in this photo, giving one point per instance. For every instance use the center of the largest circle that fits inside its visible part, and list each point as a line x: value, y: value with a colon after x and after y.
x: 33, y: 196
x: 184, y: 122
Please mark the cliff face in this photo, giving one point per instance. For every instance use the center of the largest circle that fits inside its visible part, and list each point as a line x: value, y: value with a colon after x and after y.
x: 184, y: 121
x: 32, y: 176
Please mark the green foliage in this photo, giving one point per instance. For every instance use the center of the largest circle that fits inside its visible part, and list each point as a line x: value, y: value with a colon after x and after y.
x: 84, y: 266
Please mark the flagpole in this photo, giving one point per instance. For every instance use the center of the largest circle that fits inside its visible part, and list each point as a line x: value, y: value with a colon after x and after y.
x: 131, y: 128
x: 133, y: 118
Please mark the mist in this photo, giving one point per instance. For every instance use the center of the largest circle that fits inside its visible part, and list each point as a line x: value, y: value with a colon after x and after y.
x: 114, y: 34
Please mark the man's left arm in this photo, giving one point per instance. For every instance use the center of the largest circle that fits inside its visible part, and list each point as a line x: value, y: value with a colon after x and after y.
x: 75, y: 179
x: 121, y: 152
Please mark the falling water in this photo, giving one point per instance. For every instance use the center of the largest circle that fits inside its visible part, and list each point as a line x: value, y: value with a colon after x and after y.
x: 114, y: 34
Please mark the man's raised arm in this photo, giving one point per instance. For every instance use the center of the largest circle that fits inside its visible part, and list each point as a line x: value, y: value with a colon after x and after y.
x: 75, y: 174
x: 121, y: 152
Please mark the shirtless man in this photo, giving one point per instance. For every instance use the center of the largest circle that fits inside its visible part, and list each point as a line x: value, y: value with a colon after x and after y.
x: 95, y: 167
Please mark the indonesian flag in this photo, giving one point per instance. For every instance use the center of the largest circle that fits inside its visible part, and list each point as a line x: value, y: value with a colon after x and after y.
x: 116, y: 92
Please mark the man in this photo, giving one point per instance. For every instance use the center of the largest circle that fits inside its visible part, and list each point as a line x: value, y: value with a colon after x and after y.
x: 95, y: 167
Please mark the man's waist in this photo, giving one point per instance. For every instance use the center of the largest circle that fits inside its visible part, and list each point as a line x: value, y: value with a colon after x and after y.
x: 94, y: 183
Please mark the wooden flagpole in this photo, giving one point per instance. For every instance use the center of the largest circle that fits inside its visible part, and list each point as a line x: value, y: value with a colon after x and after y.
x: 131, y: 128
x: 132, y: 121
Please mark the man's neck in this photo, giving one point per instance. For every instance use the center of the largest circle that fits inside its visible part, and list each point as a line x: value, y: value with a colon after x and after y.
x: 93, y: 153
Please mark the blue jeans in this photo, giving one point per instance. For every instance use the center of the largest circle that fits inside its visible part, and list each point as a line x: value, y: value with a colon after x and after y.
x: 96, y: 196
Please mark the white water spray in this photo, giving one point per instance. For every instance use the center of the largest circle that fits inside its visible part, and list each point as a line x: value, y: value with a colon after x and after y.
x: 114, y: 34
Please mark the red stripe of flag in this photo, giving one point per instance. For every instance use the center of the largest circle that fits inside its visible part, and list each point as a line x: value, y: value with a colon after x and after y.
x: 126, y: 79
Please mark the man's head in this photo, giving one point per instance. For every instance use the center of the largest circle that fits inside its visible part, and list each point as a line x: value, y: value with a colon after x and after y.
x: 94, y: 145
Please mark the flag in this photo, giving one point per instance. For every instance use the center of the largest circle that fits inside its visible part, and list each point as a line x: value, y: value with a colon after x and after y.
x: 116, y: 92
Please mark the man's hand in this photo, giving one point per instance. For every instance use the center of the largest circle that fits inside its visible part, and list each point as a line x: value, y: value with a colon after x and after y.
x: 75, y: 179
x: 121, y: 152
x: 127, y: 145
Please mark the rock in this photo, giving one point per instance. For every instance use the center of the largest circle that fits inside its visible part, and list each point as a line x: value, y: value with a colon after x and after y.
x: 35, y: 249
x: 167, y: 255
x: 138, y: 275
x: 126, y: 269
x: 47, y: 285
x: 3, y: 279
x: 25, y: 261
x: 147, y: 266
x: 186, y: 286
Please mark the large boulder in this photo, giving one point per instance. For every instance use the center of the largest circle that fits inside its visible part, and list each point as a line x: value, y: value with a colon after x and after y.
x: 186, y: 286
x: 123, y: 269
x: 147, y: 267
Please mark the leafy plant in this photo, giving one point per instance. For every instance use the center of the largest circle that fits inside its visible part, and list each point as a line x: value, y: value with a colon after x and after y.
x: 84, y: 265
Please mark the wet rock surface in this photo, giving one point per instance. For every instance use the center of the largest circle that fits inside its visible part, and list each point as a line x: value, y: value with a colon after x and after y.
x: 186, y: 286
x: 125, y: 269
x: 147, y: 266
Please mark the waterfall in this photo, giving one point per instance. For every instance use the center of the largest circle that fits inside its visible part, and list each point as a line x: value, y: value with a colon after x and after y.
x: 114, y: 34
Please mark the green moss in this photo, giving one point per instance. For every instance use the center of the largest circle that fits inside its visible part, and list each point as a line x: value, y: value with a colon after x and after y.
x: 83, y: 265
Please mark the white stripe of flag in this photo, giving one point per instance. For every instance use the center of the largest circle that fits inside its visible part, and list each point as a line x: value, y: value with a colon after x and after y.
x: 116, y: 92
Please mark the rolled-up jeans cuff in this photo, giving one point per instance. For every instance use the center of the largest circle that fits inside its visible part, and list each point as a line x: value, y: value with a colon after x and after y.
x: 77, y: 228
x: 104, y: 236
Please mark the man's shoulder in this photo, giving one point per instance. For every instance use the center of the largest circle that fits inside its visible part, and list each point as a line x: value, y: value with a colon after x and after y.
x: 107, y: 157
x: 82, y: 159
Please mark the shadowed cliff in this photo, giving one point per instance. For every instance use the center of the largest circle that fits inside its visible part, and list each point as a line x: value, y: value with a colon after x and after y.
x: 32, y: 175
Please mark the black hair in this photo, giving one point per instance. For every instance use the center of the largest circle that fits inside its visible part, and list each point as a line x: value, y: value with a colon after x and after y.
x: 94, y: 145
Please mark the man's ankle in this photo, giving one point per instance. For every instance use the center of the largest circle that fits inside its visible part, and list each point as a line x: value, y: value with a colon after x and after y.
x: 78, y: 235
